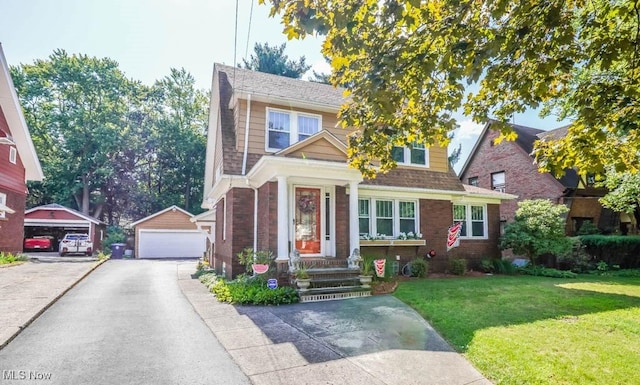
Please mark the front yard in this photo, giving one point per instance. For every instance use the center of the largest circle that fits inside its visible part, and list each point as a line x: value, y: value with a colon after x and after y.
x: 536, y: 330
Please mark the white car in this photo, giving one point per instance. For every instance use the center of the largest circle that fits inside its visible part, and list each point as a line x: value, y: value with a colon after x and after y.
x: 75, y: 244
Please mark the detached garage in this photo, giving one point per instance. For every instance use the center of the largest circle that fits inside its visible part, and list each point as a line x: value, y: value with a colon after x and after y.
x: 55, y: 220
x: 168, y: 234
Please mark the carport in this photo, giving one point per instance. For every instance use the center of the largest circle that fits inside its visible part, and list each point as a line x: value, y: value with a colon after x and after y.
x: 168, y: 234
x: 57, y: 220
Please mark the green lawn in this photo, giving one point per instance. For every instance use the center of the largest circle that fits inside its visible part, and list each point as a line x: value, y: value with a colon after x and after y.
x: 536, y: 330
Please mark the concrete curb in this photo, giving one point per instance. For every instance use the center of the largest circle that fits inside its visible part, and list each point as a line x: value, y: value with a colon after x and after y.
x: 48, y: 305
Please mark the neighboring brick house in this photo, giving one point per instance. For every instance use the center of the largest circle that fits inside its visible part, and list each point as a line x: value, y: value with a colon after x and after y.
x: 277, y: 178
x: 18, y: 163
x: 509, y: 167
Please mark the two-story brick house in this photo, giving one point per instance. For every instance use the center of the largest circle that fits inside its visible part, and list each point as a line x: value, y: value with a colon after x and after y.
x: 18, y: 163
x: 277, y: 179
x: 509, y: 167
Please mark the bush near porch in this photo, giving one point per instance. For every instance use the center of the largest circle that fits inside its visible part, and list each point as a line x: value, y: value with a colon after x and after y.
x: 537, y: 330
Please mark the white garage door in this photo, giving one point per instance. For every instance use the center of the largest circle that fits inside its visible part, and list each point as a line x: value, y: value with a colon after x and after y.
x: 171, y: 244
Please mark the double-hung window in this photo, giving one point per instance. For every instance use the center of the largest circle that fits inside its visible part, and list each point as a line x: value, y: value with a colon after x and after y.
x: 416, y: 155
x: 279, y: 130
x: 285, y: 128
x: 473, y: 218
x: 364, y: 216
x: 387, y: 217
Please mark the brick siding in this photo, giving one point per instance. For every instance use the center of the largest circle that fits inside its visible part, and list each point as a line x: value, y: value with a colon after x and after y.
x: 12, y: 225
x: 521, y: 174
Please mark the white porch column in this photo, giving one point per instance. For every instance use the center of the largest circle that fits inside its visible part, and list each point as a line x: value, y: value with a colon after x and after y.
x: 283, y: 219
x: 354, y: 226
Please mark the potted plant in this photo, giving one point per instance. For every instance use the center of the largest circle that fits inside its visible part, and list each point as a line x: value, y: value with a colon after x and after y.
x: 302, y: 278
x: 366, y: 273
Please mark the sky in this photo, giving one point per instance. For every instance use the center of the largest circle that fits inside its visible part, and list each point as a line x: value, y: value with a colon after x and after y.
x: 149, y: 37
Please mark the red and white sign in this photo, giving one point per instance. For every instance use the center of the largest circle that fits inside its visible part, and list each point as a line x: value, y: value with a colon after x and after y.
x: 453, y: 236
x: 379, y: 264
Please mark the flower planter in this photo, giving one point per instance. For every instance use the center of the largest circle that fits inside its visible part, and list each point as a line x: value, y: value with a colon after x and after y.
x: 365, y: 281
x: 303, y: 284
x: 393, y: 242
x: 408, y: 242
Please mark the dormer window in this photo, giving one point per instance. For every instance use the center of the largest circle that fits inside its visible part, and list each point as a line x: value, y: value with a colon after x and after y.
x: 416, y: 155
x: 285, y: 128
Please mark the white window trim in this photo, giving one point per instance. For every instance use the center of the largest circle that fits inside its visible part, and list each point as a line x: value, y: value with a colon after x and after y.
x: 373, y: 215
x: 293, y: 126
x: 13, y: 155
x: 3, y: 200
x: 469, y: 222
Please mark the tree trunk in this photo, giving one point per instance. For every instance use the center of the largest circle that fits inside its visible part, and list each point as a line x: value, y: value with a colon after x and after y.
x: 85, y: 195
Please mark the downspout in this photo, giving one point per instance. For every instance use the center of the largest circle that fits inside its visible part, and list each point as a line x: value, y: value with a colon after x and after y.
x: 244, y: 172
x: 246, y: 137
x: 255, y: 219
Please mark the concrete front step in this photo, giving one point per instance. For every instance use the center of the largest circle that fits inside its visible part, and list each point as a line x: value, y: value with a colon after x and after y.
x: 334, y: 281
x: 332, y: 270
x: 332, y: 293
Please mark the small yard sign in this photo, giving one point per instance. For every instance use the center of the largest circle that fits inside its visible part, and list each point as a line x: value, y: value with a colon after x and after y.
x: 272, y: 283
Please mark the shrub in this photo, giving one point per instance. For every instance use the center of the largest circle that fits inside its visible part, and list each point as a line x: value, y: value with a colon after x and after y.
x: 588, y: 228
x: 208, y: 279
x: 538, y: 229
x: 503, y: 266
x: 419, y: 268
x: 487, y: 265
x: 577, y: 260
x: 458, y: 266
x: 547, y: 272
x: 614, y: 249
x: 246, y: 290
x: 633, y: 273
x: 115, y: 234
x: 7, y: 258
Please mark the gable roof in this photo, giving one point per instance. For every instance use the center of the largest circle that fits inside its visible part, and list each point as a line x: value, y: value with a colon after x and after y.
x: 10, y: 105
x: 318, y: 136
x: 526, y: 137
x: 174, y: 208
x: 274, y: 87
x: 57, y: 207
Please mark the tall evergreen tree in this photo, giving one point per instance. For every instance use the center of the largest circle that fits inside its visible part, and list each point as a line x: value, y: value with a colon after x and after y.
x: 271, y: 59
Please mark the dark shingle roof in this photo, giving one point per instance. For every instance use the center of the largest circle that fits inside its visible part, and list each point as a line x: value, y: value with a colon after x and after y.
x: 526, y: 136
x: 261, y: 83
